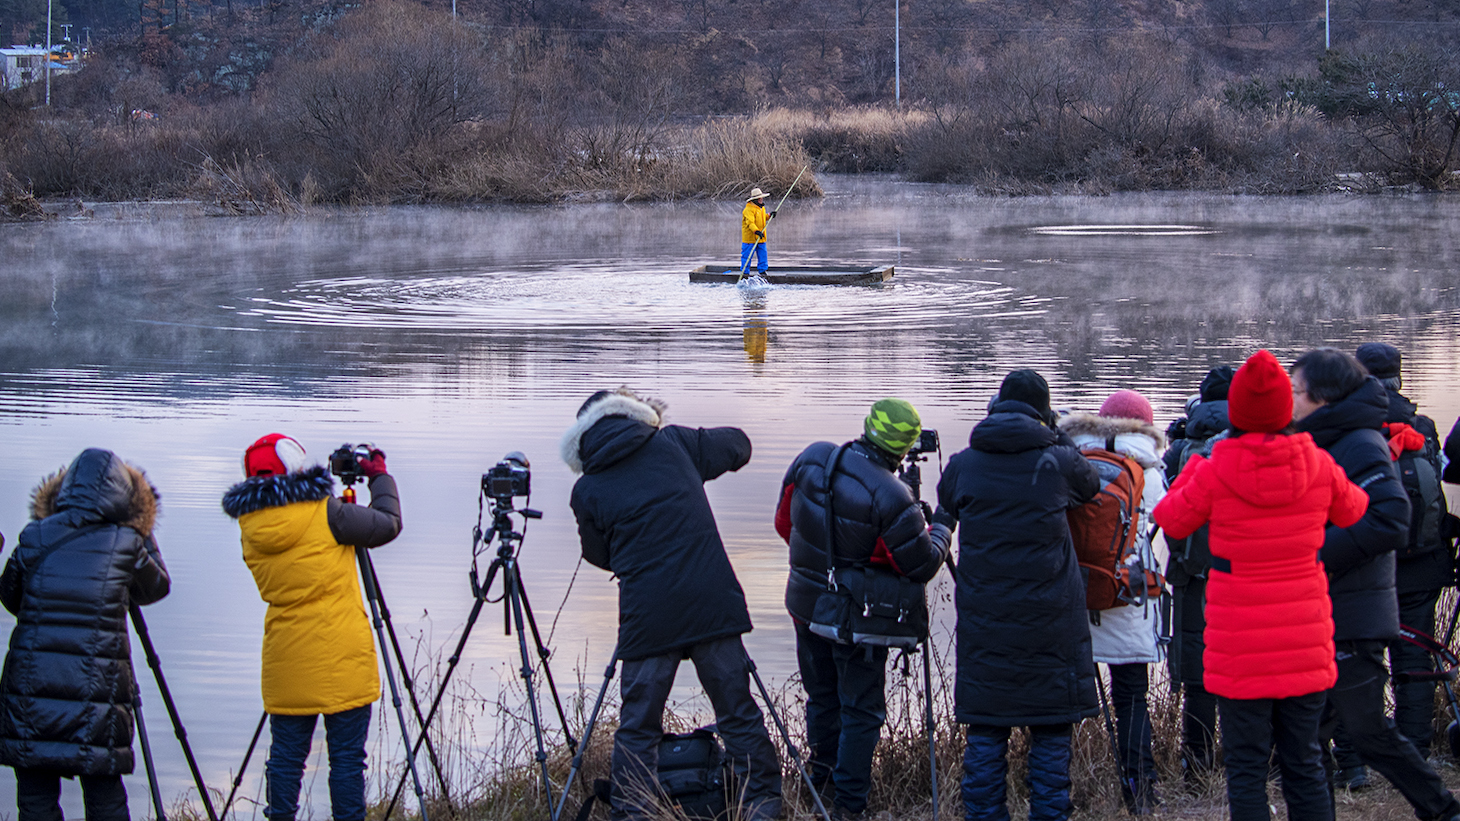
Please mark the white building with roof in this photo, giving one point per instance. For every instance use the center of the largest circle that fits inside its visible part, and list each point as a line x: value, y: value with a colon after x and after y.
x: 20, y: 65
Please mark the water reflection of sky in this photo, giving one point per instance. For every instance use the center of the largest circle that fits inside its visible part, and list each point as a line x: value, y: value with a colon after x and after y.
x: 451, y: 336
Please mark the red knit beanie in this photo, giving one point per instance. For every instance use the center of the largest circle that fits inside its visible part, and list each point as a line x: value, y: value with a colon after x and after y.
x: 1261, y: 396
x: 273, y: 455
x: 1125, y: 404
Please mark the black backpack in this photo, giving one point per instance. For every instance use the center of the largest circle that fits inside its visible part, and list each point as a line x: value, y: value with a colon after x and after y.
x: 1421, y: 479
x: 1190, y: 557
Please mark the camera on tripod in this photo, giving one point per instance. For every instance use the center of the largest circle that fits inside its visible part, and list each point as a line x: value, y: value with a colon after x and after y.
x: 927, y: 443
x: 508, y: 478
x: 345, y: 462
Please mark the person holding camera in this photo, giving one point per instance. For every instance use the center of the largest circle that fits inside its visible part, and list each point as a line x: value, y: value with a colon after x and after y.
x: 1024, y: 656
x: 643, y: 514
x: 878, y: 523
x: 318, y: 654
x: 67, y: 692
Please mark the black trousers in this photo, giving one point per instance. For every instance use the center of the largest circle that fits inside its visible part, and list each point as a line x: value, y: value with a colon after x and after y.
x: 1414, y: 703
x: 38, y: 796
x: 1251, y: 730
x: 1357, y: 703
x: 724, y: 671
x: 846, y: 705
x: 1128, y: 685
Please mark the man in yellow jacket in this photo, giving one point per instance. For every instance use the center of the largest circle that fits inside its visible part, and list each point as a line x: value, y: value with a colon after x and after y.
x: 752, y: 231
x: 318, y: 654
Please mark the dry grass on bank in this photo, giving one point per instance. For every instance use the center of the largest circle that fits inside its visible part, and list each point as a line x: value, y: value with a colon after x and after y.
x: 501, y: 782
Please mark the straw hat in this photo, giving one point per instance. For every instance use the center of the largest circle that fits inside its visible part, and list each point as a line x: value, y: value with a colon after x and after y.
x: 755, y: 194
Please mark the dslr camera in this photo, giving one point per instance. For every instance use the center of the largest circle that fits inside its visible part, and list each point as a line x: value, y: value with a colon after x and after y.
x: 508, y: 478
x: 927, y: 443
x: 345, y: 462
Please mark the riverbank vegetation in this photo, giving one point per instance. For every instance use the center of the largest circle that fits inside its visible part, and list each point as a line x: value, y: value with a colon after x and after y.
x: 271, y: 107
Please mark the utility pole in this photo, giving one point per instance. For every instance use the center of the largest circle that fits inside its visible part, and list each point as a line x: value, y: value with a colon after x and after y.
x: 897, y: 51
x: 1327, y: 41
x: 48, y: 53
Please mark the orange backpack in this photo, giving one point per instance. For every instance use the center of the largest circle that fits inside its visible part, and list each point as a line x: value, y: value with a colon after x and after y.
x: 1106, y: 530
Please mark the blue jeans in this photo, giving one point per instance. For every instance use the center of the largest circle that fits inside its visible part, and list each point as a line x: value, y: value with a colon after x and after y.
x: 760, y: 256
x: 345, y: 734
x: 986, y: 769
x: 846, y: 705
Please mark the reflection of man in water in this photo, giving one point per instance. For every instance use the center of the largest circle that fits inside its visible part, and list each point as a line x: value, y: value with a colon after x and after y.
x: 752, y: 231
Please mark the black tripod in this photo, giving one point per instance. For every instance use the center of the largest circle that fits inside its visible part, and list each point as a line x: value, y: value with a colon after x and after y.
x: 140, y: 625
x: 517, y: 610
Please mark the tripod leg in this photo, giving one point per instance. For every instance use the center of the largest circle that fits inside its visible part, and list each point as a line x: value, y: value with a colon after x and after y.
x: 795, y: 754
x: 513, y: 592
x: 928, y: 718
x: 147, y: 754
x: 471, y: 620
x: 407, y: 682
x: 547, y: 671
x: 140, y: 624
x: 238, y: 780
x: 587, y: 734
x: 372, y: 594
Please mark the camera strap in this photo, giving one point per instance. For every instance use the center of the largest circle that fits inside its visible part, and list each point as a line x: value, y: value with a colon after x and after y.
x: 831, y: 464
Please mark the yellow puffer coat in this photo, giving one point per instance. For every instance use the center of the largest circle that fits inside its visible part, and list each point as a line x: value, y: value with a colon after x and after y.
x: 318, y: 651
x: 319, y: 656
x: 752, y: 219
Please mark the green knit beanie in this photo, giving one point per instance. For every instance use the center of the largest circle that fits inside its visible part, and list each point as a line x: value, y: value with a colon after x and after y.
x: 893, y: 425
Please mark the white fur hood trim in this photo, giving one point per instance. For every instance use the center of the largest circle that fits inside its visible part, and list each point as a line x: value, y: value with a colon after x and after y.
x: 1139, y: 440
x: 622, y: 402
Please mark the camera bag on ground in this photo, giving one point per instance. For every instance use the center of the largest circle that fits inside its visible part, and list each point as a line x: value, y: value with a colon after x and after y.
x: 1106, y: 531
x: 864, y: 604
x: 694, y: 775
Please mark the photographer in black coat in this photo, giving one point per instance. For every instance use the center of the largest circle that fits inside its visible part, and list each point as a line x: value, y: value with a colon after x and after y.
x: 67, y: 690
x: 1343, y: 408
x: 879, y: 523
x: 1024, y: 655
x: 643, y: 515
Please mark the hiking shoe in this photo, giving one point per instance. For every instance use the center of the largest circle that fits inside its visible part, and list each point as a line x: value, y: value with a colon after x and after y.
x: 1143, y: 801
x: 1353, y: 778
x: 840, y: 813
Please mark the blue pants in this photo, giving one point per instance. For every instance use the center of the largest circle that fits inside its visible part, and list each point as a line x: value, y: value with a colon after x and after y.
x: 760, y: 256
x: 986, y: 769
x: 846, y: 705
x: 345, y: 734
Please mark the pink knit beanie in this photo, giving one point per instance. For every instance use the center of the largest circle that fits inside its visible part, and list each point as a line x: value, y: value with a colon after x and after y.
x: 1125, y: 404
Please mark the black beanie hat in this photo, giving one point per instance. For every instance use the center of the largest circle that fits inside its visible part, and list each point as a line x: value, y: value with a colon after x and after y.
x: 1216, y: 383
x: 1381, y: 359
x: 1027, y: 386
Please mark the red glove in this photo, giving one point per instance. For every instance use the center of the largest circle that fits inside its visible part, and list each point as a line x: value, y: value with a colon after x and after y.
x: 375, y: 465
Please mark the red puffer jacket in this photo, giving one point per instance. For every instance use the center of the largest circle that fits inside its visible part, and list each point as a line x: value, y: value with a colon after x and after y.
x: 1269, y: 620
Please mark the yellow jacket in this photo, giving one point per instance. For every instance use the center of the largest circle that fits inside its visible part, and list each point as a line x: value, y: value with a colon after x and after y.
x: 752, y: 219
x: 318, y: 651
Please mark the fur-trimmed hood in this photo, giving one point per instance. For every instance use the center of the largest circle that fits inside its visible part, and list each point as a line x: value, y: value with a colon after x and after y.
x: 259, y: 492
x: 99, y: 482
x: 622, y: 402
x: 1094, y: 426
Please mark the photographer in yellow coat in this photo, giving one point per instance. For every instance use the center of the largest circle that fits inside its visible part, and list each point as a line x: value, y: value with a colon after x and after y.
x: 318, y: 653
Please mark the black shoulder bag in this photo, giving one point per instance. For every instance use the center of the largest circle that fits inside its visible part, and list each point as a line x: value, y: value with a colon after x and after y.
x: 865, y: 605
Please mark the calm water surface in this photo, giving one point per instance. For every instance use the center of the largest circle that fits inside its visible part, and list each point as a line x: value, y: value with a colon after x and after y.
x: 449, y: 337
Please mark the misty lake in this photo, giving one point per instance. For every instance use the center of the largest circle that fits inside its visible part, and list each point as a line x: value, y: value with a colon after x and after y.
x: 450, y: 336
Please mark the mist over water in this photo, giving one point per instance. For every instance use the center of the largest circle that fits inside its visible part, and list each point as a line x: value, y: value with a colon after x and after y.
x: 451, y: 336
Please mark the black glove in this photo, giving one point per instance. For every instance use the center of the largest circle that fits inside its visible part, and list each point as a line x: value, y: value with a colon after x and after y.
x: 943, y: 517
x: 771, y: 215
x: 760, y: 234
x: 927, y: 510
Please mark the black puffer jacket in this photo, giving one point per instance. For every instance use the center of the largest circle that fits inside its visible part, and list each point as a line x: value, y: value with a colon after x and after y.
x: 66, y: 692
x: 643, y: 514
x: 1023, y: 632
x: 878, y: 521
x: 1360, y: 559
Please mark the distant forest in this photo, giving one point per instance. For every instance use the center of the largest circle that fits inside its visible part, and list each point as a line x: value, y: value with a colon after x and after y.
x: 294, y: 101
